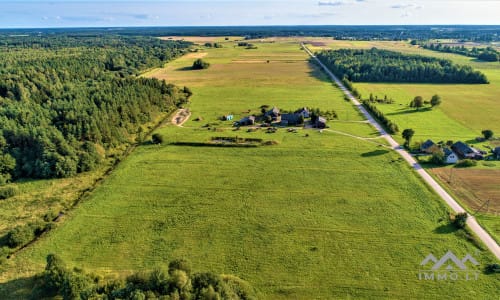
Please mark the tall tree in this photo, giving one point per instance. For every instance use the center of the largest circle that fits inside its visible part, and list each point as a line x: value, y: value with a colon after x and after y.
x: 407, y: 134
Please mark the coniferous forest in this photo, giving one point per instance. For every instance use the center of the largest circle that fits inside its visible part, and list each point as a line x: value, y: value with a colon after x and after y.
x: 375, y: 65
x: 64, y: 98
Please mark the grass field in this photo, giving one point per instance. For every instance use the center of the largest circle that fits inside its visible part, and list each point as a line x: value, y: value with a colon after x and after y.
x: 466, y: 111
x: 312, y: 217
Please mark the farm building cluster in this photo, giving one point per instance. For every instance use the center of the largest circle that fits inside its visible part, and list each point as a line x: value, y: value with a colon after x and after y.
x: 454, y: 152
x: 274, y: 117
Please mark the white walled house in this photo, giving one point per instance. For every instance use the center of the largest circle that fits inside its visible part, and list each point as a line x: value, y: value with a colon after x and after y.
x: 450, y: 157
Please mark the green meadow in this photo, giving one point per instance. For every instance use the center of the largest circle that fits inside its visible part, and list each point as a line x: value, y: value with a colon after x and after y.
x: 316, y: 215
x: 466, y: 110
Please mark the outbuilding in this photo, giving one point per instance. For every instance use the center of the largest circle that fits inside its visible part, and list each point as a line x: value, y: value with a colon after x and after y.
x: 320, y: 122
x: 250, y: 120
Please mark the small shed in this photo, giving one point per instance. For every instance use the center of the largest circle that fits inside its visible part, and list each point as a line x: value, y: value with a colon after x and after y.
x: 320, y: 122
x: 250, y: 120
x: 450, y: 157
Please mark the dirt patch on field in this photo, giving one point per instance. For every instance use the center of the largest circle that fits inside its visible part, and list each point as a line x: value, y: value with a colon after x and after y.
x: 181, y: 117
x: 316, y: 43
x: 474, y: 187
x: 196, y: 55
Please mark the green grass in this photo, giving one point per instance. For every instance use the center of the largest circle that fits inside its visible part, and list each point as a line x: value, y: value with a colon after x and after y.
x: 466, y: 110
x: 323, y: 216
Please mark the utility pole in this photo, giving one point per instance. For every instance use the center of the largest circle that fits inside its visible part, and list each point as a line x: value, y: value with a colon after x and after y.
x: 486, y: 203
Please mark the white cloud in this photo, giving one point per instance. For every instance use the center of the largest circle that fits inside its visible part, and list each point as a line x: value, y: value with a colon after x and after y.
x: 331, y: 3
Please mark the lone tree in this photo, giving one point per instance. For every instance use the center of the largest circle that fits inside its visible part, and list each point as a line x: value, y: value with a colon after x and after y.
x: 157, y: 138
x: 460, y: 220
x: 407, y: 135
x: 487, y: 133
x: 435, y: 100
x: 200, y: 64
x: 417, y: 102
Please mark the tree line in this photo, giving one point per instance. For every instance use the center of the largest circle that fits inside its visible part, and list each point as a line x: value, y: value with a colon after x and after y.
x: 66, y: 101
x: 375, y: 65
x: 485, y: 54
x: 175, y: 282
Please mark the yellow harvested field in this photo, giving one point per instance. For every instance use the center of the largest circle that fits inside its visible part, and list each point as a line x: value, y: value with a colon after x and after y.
x: 473, y: 186
x: 200, y: 39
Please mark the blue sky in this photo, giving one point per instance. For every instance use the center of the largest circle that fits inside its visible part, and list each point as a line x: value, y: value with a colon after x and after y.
x: 73, y: 13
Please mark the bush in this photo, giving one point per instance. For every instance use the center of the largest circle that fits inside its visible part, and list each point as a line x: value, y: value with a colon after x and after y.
x: 157, y: 138
x: 20, y: 236
x: 460, y: 220
x: 492, y: 268
x: 465, y: 163
x: 437, y: 157
x: 488, y: 134
x: 8, y: 191
x: 200, y: 64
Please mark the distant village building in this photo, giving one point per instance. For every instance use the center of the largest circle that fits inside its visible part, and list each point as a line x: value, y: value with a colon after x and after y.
x: 291, y: 119
x: 465, y: 151
x: 428, y: 147
x: 450, y: 157
x: 250, y: 120
x: 274, y: 113
x: 320, y: 122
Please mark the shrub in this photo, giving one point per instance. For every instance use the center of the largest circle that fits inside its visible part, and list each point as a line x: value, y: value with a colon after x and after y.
x: 465, y: 163
x: 8, y: 191
x: 487, y: 133
x: 200, y: 64
x: 492, y: 268
x: 437, y: 157
x: 20, y: 236
x: 460, y: 220
x: 157, y: 138
x: 179, y: 264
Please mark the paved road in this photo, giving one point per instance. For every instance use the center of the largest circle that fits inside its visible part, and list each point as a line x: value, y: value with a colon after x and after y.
x: 471, y: 221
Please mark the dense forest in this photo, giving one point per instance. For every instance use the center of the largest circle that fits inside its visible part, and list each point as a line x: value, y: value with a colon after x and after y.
x: 375, y: 65
x: 479, y: 33
x: 65, y: 100
x: 485, y: 54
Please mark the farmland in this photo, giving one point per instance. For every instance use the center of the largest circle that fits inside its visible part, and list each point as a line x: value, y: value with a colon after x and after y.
x: 315, y: 215
x: 466, y: 111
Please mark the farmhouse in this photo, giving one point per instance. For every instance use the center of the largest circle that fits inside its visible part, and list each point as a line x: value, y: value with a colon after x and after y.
x: 304, y: 112
x: 274, y: 113
x: 320, y: 122
x: 428, y: 146
x: 465, y: 151
x: 450, y: 157
x: 250, y: 120
x: 291, y: 119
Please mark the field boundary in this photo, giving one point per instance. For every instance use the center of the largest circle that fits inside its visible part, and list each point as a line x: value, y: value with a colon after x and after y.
x: 436, y: 187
